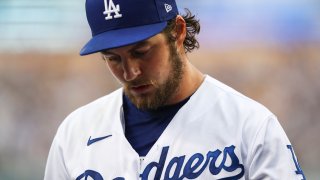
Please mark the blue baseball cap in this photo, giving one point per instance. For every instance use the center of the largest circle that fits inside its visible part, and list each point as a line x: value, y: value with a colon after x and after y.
x: 116, y: 23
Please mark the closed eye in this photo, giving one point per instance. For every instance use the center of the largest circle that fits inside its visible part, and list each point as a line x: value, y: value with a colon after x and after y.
x: 141, y: 51
x: 111, y: 58
x: 139, y: 54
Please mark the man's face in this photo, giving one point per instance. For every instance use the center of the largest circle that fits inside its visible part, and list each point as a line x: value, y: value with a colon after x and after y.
x: 150, y: 71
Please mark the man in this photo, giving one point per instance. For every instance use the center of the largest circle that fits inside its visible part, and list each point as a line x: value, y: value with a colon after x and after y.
x: 169, y: 121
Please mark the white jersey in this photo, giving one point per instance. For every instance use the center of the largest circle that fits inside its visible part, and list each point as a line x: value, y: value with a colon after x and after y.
x: 217, y: 134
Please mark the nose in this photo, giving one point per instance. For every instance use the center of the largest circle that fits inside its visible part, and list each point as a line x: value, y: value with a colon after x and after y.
x: 131, y: 69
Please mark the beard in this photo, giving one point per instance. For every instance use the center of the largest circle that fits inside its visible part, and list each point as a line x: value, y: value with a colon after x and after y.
x: 163, y: 92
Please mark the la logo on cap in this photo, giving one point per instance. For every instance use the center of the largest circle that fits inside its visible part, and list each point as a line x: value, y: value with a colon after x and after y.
x: 111, y: 8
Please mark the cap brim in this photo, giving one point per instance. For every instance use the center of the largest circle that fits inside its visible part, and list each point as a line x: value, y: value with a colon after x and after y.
x: 121, y: 37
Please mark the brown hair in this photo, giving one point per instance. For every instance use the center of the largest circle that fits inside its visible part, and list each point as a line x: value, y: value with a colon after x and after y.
x: 193, y: 28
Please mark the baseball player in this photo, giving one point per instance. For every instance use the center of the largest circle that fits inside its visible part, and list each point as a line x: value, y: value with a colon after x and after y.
x: 169, y: 120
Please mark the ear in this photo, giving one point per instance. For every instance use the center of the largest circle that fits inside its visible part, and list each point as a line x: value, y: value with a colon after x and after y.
x: 180, y: 31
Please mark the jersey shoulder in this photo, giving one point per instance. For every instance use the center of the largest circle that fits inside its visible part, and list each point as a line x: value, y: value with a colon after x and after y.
x: 229, y: 98
x: 91, y: 118
x: 240, y: 114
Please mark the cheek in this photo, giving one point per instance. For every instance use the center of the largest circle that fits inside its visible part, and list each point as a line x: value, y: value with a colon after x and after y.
x: 161, y: 70
x: 162, y: 66
x: 116, y: 71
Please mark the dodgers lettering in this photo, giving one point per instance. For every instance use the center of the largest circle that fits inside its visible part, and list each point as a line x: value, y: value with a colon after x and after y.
x: 195, y: 161
x: 295, y: 160
x: 90, y: 174
x: 190, y: 171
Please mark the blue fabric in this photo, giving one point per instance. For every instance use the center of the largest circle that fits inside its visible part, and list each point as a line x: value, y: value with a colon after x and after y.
x: 116, y: 23
x: 143, y: 128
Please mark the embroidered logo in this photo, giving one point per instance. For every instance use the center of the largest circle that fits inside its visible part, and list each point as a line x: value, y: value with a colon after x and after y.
x: 168, y: 7
x: 91, y: 141
x: 111, y: 8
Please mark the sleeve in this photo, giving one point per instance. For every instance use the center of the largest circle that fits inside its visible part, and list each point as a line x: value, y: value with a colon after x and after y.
x: 56, y: 168
x: 271, y: 155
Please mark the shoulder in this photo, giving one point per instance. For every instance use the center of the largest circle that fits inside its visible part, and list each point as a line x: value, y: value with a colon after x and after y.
x: 230, y: 100
x: 91, y: 116
x: 101, y: 105
x: 243, y: 116
x: 238, y: 108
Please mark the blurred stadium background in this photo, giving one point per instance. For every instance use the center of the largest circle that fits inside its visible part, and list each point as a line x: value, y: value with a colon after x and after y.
x: 268, y: 49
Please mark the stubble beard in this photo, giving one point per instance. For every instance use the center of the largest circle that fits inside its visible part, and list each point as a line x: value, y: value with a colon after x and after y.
x: 163, y: 92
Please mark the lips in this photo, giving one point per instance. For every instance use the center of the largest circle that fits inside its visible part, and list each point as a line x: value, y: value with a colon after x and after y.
x: 140, y: 89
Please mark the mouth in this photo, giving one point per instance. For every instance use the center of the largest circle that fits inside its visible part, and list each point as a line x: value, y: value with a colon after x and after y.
x: 141, y: 89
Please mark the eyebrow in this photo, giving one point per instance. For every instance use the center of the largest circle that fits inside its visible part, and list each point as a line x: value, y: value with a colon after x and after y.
x: 140, y: 44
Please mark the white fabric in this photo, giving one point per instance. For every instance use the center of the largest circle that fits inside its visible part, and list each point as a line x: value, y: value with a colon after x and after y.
x: 216, y: 123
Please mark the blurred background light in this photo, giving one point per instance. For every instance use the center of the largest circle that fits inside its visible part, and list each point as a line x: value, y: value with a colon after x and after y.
x: 267, y: 49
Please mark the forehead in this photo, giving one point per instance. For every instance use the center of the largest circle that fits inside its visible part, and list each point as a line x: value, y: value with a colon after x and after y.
x: 159, y: 38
